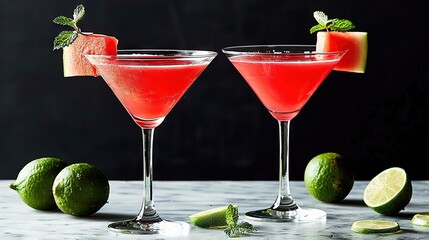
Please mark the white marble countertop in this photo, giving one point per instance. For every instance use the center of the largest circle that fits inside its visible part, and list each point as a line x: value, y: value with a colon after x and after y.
x: 176, y: 200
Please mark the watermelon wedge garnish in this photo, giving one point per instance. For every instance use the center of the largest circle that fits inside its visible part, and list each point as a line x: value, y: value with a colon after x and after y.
x: 356, y: 44
x: 76, y: 44
x: 74, y: 61
x: 337, y: 37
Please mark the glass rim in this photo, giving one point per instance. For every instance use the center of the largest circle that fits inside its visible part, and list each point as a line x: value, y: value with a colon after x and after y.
x: 274, y: 49
x: 136, y: 54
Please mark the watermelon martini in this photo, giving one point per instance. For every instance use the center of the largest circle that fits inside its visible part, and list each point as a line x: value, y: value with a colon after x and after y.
x: 284, y: 77
x: 149, y: 83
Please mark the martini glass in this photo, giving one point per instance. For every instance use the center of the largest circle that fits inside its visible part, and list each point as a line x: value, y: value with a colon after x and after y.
x: 149, y: 83
x: 283, y: 77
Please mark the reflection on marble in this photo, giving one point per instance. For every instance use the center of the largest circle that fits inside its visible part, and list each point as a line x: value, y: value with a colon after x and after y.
x: 176, y: 200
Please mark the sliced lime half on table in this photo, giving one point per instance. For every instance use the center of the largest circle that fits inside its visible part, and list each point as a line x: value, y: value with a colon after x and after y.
x: 375, y: 226
x: 389, y: 192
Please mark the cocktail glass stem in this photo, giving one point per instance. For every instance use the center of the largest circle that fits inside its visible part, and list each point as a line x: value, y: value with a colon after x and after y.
x: 147, y: 211
x: 284, y: 199
x: 148, y: 221
x: 284, y: 208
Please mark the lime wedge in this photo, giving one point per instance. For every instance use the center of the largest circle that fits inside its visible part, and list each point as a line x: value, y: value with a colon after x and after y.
x: 212, y: 218
x: 421, y: 219
x: 388, y: 192
x: 375, y: 226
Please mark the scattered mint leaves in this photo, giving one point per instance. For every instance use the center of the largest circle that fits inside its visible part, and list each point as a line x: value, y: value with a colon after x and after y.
x: 231, y: 215
x: 65, y: 38
x: 235, y: 228
x: 338, y: 25
x: 241, y: 228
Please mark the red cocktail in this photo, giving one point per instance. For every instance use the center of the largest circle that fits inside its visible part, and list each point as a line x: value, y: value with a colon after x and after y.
x: 283, y: 77
x: 149, y: 83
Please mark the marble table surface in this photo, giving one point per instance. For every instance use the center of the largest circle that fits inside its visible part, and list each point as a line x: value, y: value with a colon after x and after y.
x: 176, y: 200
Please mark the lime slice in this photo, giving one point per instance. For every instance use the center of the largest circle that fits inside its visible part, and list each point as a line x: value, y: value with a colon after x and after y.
x: 421, y: 219
x: 212, y: 218
x: 375, y: 226
x: 388, y: 192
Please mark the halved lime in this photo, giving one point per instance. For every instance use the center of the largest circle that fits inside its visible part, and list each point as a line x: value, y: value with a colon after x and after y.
x: 388, y: 192
x: 421, y: 219
x: 375, y: 226
x: 211, y: 218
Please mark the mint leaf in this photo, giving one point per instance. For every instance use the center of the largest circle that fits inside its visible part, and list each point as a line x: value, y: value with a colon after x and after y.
x: 245, y: 225
x: 65, y: 38
x: 316, y: 28
x: 341, y: 25
x: 235, y: 228
x: 321, y: 17
x: 78, y: 13
x: 65, y: 21
x: 242, y: 228
x: 335, y: 24
x: 231, y: 215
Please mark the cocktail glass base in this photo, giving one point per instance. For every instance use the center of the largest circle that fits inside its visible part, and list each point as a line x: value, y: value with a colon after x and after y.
x: 296, y: 215
x: 162, y: 227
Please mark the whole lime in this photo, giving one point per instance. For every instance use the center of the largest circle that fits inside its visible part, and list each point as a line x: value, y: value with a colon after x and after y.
x: 80, y: 189
x: 328, y: 177
x: 34, y: 182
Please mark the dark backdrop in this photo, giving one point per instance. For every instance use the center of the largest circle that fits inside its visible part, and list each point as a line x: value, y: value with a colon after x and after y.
x: 219, y: 129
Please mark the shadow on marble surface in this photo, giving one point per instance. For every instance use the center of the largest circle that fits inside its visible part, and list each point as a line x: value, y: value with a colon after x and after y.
x: 352, y: 202
x: 406, y: 215
x: 109, y: 217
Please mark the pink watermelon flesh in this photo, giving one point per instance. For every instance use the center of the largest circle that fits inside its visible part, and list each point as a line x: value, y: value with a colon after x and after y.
x: 74, y: 61
x: 355, y: 42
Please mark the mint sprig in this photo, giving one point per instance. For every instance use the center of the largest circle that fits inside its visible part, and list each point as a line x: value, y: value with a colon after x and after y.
x: 338, y: 25
x: 235, y: 228
x: 65, y: 38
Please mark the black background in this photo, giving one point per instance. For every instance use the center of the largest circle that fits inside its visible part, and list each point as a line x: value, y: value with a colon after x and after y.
x: 219, y: 129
